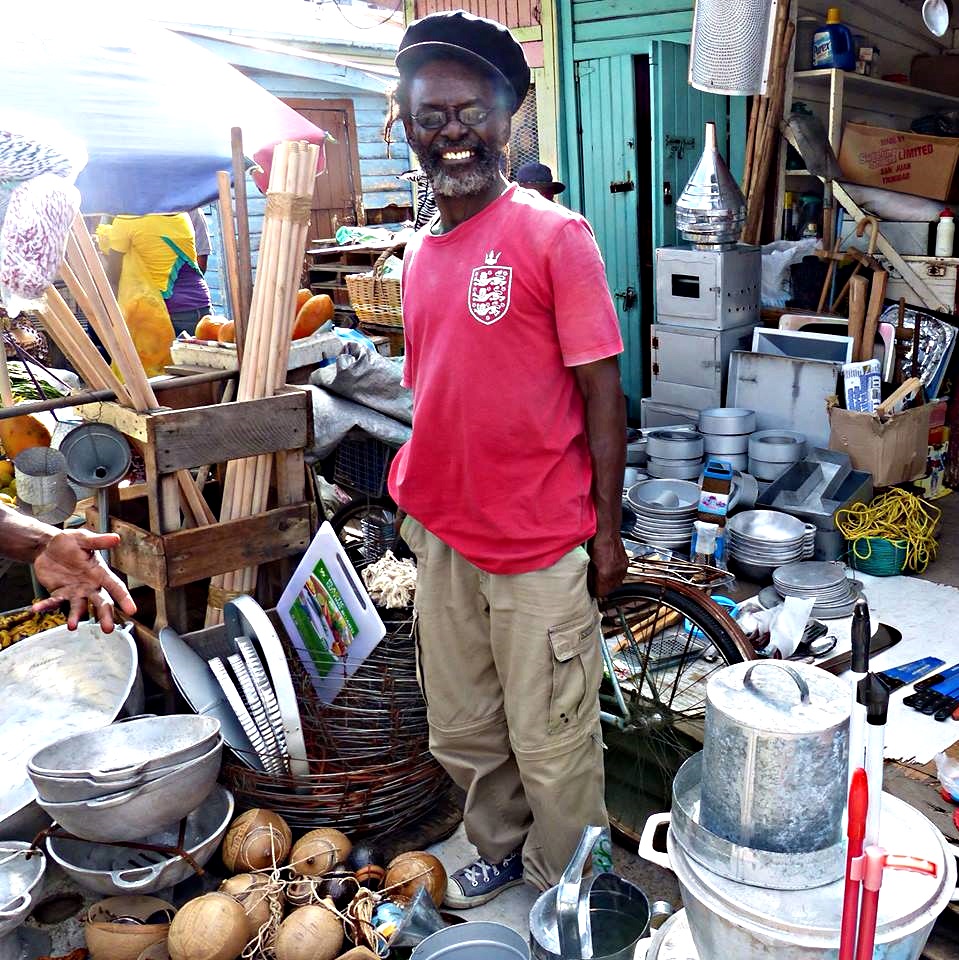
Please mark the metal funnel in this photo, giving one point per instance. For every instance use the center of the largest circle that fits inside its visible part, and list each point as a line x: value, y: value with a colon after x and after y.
x: 711, y: 212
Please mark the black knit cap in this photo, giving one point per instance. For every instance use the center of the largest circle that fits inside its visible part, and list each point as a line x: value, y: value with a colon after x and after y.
x: 463, y: 36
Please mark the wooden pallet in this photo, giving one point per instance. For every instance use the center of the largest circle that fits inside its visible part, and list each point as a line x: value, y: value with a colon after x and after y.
x: 329, y: 266
x: 156, y: 547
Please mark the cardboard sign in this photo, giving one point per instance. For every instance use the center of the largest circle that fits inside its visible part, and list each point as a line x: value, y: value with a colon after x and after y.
x: 900, y: 161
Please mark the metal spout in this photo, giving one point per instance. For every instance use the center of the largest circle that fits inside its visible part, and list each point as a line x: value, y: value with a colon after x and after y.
x: 711, y: 211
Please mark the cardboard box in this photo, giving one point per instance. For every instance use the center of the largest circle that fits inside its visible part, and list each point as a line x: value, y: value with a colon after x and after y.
x: 893, y: 452
x: 900, y: 161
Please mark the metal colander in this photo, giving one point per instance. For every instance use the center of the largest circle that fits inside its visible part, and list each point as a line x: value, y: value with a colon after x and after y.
x: 731, y: 46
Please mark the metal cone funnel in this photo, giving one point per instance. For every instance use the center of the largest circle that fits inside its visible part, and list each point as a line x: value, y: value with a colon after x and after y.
x: 712, y: 209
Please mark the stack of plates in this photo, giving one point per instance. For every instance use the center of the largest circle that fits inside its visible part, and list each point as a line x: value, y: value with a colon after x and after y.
x: 835, y: 594
x: 664, y: 512
x: 759, y: 541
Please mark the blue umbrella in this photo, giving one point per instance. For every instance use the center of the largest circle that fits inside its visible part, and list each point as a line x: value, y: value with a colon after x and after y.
x: 152, y: 109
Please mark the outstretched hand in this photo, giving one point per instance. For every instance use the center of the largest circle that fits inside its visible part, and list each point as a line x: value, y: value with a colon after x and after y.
x: 71, y: 570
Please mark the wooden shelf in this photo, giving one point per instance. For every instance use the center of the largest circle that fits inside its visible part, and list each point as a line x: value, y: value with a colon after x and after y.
x: 892, y: 93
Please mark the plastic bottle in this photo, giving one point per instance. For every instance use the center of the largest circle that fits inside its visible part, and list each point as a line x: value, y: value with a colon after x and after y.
x: 945, y: 233
x: 832, y: 45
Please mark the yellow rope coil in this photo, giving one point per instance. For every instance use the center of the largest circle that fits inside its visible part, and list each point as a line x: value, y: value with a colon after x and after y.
x: 896, y: 515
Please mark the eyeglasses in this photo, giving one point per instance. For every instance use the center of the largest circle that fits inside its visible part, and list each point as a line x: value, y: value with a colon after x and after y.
x: 437, y: 119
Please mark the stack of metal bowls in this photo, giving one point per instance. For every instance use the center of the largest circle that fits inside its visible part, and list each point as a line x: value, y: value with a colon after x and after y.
x: 759, y: 541
x: 773, y: 452
x: 824, y: 581
x: 664, y: 512
x: 674, y: 454
x: 726, y: 432
x: 22, y: 871
x: 129, y: 780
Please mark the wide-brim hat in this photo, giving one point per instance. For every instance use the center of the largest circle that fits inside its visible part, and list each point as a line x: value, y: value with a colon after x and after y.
x: 538, y: 175
x: 463, y: 36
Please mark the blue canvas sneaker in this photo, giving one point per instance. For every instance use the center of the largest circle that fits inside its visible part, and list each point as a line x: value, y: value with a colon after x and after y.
x: 481, y: 880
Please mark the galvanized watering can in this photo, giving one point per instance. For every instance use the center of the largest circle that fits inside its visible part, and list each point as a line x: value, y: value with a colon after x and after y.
x: 601, y: 917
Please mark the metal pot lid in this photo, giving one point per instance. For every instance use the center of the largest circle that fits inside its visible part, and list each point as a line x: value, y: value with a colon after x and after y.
x: 51, y: 685
x: 809, y: 917
x: 793, y: 699
x: 727, y: 421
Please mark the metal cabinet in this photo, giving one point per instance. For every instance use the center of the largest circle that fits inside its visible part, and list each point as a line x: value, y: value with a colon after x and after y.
x: 689, y: 363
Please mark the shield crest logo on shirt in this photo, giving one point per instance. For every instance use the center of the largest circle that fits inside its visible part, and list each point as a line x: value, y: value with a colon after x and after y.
x: 489, y: 292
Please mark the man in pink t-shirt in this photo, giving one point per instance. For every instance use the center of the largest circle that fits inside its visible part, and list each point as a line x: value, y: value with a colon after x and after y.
x: 513, y: 476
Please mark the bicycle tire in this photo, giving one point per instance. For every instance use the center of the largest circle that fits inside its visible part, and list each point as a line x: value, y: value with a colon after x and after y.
x: 362, y: 549
x: 663, y: 725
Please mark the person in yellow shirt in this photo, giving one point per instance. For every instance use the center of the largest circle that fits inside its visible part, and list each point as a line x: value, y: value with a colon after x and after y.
x: 152, y: 260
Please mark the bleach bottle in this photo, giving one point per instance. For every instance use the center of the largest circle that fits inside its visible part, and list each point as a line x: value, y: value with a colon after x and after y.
x: 832, y: 45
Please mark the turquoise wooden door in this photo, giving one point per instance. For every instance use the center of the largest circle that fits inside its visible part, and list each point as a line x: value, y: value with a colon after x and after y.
x: 606, y: 105
x: 679, y: 116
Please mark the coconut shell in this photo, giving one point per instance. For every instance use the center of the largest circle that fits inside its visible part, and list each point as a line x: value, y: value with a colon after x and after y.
x: 414, y: 870
x: 366, y: 861
x: 318, y: 851
x: 253, y: 893
x: 309, y: 933
x: 211, y: 927
x: 256, y: 840
x: 107, y: 940
x: 301, y: 892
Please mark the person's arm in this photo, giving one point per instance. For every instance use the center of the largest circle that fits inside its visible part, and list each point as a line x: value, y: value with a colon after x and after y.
x: 202, y: 260
x: 66, y: 563
x: 606, y: 432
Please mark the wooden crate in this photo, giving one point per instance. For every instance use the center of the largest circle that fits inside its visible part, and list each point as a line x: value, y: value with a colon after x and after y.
x: 165, y: 554
x: 328, y: 266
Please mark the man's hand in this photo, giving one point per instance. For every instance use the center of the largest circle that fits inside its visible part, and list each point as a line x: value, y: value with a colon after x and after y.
x: 71, y: 570
x: 608, y: 563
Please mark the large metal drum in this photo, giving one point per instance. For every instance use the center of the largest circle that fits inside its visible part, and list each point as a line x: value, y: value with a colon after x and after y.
x: 775, y: 756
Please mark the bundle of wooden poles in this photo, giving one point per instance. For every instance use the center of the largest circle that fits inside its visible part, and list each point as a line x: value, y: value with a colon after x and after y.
x: 763, y: 137
x: 267, y: 339
x: 83, y: 273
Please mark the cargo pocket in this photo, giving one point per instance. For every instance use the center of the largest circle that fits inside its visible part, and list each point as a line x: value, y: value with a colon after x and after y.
x: 576, y: 673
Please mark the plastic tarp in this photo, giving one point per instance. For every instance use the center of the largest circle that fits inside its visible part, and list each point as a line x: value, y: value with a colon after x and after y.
x: 152, y: 109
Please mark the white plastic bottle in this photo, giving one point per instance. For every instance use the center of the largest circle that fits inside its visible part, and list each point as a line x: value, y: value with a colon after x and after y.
x: 945, y: 233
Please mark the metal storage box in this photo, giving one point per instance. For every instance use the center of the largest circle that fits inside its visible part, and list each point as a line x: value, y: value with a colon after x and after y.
x: 689, y: 363
x: 656, y: 414
x: 717, y: 289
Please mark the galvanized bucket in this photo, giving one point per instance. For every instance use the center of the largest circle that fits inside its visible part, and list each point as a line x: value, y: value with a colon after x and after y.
x: 775, y: 756
x: 476, y: 940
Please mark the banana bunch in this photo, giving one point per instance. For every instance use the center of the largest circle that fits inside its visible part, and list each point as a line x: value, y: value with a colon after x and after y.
x: 25, y: 623
x: 8, y: 483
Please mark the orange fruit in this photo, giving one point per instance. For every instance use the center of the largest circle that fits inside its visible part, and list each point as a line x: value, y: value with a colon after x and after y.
x: 208, y: 328
x: 227, y: 333
x: 312, y: 315
x: 302, y: 295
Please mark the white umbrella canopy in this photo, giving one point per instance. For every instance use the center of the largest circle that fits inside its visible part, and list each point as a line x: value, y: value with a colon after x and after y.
x: 152, y: 110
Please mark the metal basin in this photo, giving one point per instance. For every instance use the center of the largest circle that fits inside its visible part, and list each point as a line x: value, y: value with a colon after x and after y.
x: 768, y: 526
x: 727, y: 421
x: 475, y: 940
x: 136, y: 813
x: 21, y: 879
x: 54, y: 684
x: 109, y: 869
x: 128, y: 750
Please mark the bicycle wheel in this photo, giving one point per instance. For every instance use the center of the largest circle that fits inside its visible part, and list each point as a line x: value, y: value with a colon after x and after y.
x: 662, y: 640
x: 367, y: 528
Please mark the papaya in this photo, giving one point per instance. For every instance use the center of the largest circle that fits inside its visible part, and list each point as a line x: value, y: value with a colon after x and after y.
x: 21, y: 433
x: 312, y: 315
x: 208, y: 328
x: 227, y: 332
x: 302, y: 295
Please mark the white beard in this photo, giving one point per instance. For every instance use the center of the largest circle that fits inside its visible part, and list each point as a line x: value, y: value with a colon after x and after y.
x: 467, y: 184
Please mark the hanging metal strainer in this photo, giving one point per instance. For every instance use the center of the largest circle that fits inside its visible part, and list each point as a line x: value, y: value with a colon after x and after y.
x: 731, y: 46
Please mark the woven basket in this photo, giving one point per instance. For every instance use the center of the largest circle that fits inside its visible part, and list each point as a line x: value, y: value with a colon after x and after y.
x: 375, y: 298
x: 877, y: 556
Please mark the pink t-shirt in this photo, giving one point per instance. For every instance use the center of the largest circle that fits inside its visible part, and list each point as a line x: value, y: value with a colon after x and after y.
x: 496, y: 312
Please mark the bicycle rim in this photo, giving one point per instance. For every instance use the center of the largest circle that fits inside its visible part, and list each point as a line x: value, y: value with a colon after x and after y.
x: 366, y: 528
x: 664, y: 642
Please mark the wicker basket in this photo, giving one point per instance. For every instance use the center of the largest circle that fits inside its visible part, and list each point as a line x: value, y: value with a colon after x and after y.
x: 877, y: 556
x: 375, y: 298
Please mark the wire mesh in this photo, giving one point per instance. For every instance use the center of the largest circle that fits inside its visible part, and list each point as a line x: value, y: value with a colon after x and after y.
x: 362, y: 463
x: 524, y: 135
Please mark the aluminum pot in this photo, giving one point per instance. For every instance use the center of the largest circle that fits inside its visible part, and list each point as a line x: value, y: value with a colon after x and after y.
x: 134, y: 814
x: 775, y: 756
x: 21, y: 880
x: 474, y: 940
x: 731, y: 920
x: 665, y: 444
x: 112, y: 870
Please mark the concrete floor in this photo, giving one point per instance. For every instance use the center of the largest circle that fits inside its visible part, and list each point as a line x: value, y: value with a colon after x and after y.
x: 945, y: 568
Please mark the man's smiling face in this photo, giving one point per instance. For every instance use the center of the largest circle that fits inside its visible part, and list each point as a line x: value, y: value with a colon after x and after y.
x: 461, y: 159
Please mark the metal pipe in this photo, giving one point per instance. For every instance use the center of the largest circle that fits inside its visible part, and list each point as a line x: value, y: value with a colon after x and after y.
x: 95, y: 396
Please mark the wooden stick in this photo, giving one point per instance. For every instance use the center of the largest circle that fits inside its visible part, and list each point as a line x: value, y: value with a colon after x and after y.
x: 877, y: 296
x: 243, y: 231
x: 857, y: 313
x: 225, y: 210
x: 751, y: 143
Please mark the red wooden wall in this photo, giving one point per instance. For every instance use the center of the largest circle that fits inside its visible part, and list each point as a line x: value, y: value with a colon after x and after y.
x: 514, y: 13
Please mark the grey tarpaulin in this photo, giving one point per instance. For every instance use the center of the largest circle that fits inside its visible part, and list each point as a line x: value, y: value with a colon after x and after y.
x: 362, y: 375
x: 334, y: 417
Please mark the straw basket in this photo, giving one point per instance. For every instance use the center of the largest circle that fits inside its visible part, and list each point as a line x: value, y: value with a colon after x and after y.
x: 375, y: 298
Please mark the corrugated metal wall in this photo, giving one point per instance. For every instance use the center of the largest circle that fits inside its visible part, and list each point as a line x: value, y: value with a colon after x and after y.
x: 514, y: 13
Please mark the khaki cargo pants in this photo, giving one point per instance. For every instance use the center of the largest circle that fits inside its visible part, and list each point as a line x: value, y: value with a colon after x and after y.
x: 510, y: 667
